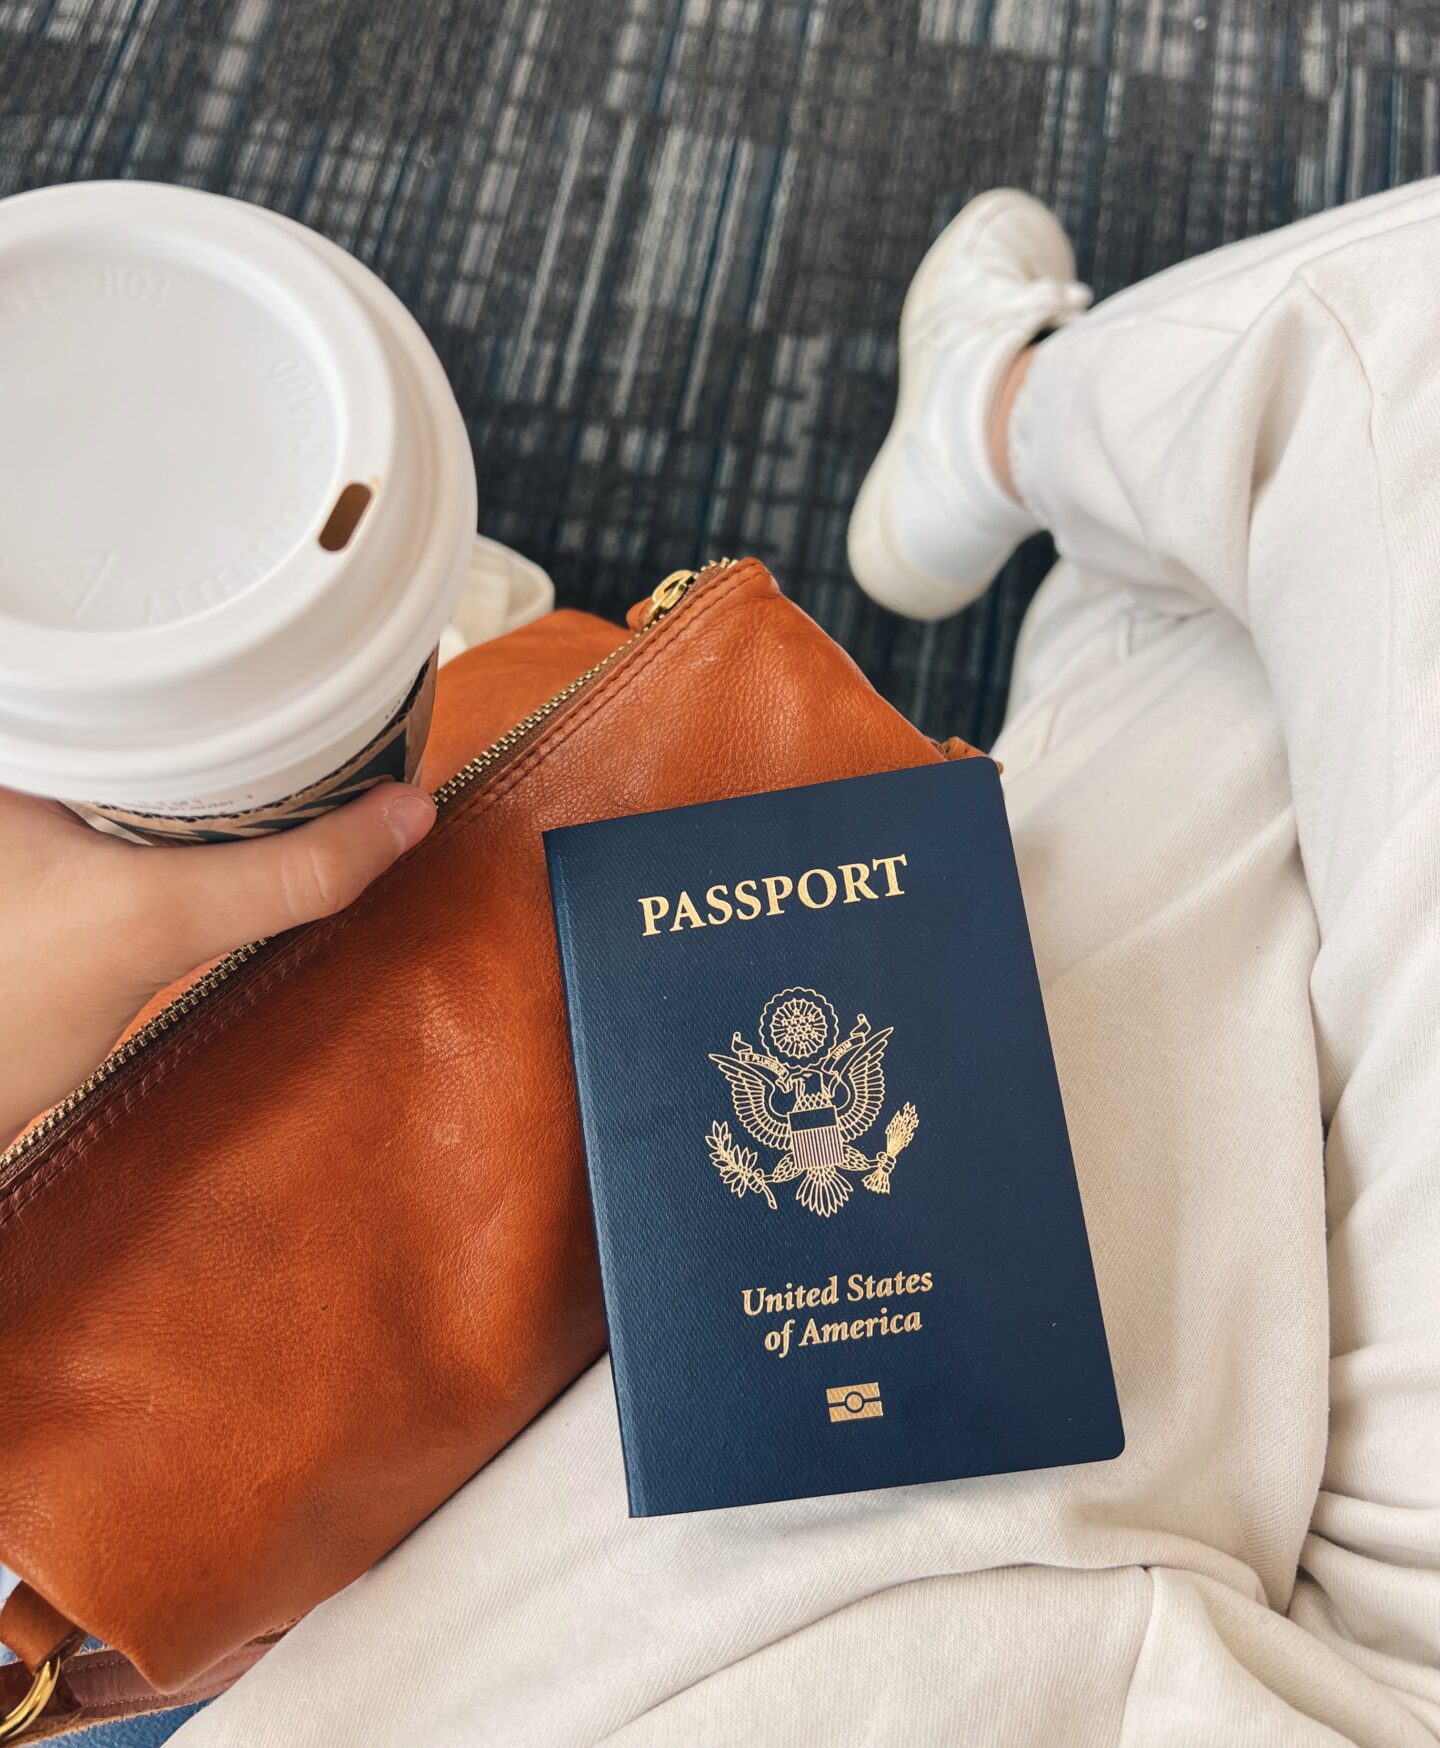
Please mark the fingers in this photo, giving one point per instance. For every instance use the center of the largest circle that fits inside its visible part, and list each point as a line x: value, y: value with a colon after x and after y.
x: 204, y: 901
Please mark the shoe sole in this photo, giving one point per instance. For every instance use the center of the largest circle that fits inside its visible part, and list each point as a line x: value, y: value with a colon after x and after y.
x: 883, y: 573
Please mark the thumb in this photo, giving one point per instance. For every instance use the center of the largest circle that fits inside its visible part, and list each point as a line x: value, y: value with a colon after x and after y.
x: 214, y: 898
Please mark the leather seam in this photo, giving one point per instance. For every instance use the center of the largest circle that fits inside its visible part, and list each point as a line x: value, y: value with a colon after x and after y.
x: 293, y: 955
x: 571, y: 720
x: 575, y: 720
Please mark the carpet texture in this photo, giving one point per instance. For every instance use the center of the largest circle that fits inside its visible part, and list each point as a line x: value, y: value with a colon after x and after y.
x: 661, y: 245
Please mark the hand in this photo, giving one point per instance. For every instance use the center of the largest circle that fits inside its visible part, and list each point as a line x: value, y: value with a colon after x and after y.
x: 92, y: 927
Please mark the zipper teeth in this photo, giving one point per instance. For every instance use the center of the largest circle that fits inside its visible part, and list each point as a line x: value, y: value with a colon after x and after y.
x: 123, y: 1053
x: 223, y: 969
x: 496, y: 751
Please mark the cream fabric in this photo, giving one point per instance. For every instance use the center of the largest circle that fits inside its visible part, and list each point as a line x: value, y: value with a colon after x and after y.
x: 503, y: 591
x: 1221, y: 771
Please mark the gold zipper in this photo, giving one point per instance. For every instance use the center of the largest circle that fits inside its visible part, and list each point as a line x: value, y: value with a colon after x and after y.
x: 666, y: 597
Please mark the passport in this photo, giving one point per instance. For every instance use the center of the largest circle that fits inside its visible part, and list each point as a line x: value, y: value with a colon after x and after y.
x: 841, y: 1241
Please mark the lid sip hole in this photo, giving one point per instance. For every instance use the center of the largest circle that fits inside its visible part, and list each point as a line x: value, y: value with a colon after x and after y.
x: 344, y: 519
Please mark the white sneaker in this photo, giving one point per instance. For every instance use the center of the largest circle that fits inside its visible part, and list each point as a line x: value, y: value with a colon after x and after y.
x: 932, y: 524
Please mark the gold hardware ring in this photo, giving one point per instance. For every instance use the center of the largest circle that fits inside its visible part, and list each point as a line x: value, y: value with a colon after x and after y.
x: 16, y: 1722
x: 667, y: 594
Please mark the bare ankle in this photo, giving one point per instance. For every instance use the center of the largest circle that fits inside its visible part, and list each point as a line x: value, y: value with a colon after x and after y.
x: 997, y: 431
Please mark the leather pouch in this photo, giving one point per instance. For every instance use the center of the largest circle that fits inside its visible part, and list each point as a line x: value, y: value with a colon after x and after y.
x: 314, y: 1242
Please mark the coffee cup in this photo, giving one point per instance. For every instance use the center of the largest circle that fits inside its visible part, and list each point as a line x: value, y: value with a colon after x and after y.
x: 237, y: 507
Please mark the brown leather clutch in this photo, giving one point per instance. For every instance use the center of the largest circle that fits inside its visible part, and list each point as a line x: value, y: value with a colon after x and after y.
x: 314, y: 1243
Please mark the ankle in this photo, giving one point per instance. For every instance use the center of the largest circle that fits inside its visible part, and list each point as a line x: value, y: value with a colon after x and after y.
x: 997, y: 429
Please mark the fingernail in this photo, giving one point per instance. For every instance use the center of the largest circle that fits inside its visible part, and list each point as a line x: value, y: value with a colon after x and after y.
x: 409, y: 816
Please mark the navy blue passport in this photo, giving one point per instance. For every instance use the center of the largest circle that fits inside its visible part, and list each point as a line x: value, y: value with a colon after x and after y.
x: 840, y: 1236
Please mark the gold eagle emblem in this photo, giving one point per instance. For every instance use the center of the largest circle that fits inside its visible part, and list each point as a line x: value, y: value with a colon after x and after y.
x: 809, y: 1095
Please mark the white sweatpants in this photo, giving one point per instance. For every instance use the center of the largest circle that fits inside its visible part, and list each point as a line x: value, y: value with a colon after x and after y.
x: 1221, y: 771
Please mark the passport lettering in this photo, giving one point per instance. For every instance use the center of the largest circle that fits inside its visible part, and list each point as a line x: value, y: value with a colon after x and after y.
x: 816, y: 888
x: 859, y: 1288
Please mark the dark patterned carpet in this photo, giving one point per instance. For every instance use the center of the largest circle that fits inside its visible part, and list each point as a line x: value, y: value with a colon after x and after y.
x: 661, y: 244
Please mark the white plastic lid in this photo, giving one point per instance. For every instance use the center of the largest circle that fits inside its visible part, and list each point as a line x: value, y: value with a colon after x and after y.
x: 187, y: 386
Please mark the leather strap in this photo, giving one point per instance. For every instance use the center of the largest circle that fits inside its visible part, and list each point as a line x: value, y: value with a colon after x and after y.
x: 102, y: 1686
x: 95, y: 1685
x: 34, y: 1630
x: 40, y: 1637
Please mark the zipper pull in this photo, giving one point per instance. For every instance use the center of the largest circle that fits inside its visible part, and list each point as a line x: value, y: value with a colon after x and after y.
x: 665, y: 597
x: 668, y: 595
